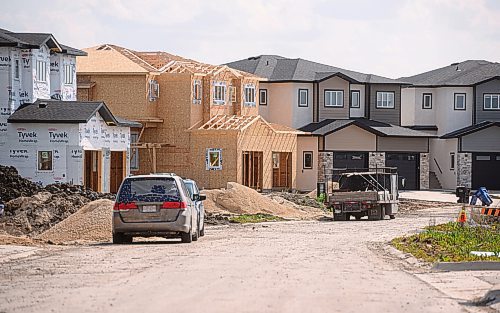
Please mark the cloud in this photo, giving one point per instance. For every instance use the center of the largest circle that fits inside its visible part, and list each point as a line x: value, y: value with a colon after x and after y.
x: 387, y: 37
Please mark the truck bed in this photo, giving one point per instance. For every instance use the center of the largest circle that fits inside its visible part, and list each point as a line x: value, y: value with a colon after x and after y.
x: 342, y: 196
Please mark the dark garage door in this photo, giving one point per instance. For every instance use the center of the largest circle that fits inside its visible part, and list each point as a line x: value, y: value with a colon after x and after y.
x: 350, y: 159
x: 408, y: 169
x: 486, y: 170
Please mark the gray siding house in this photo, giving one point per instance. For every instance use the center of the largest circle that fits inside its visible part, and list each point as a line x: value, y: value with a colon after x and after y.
x: 461, y: 103
x: 354, y: 118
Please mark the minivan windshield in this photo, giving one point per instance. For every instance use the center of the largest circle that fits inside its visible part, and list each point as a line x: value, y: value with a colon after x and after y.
x: 149, y: 190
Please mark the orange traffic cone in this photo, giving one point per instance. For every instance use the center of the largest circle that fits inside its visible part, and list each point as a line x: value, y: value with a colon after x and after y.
x: 462, y: 217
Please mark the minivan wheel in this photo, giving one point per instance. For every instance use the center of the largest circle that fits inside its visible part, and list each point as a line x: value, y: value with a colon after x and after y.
x: 186, y: 237
x: 196, y: 235
x: 202, y: 231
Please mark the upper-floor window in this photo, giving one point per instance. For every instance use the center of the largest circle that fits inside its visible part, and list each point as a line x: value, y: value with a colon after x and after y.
x: 355, y: 99
x: 232, y: 94
x: 459, y: 101
x: 154, y: 90
x: 385, y: 99
x: 219, y: 93
x: 427, y: 101
x: 334, y: 98
x: 250, y: 95
x: 263, y: 96
x: 491, y: 102
x: 16, y: 68
x: 303, y: 97
x: 197, y: 91
x: 41, y: 71
x: 68, y: 74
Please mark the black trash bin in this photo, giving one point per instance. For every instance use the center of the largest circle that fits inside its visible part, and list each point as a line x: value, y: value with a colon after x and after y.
x: 462, y: 193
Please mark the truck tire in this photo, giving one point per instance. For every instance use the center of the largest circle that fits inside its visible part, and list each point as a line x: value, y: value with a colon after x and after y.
x: 347, y: 216
x: 382, y: 212
x: 339, y: 216
x: 392, y: 216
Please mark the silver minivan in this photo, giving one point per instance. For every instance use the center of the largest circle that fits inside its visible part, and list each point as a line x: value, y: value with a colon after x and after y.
x: 156, y: 205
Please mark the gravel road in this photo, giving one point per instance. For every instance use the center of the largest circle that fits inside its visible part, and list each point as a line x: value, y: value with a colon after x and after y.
x: 314, y: 266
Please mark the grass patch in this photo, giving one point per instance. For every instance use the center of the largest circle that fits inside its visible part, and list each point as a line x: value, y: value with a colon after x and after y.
x: 451, y: 243
x: 255, y: 218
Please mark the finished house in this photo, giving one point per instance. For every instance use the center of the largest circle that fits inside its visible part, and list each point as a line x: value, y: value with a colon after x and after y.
x: 460, y: 103
x: 44, y: 132
x: 350, y: 119
x: 198, y: 120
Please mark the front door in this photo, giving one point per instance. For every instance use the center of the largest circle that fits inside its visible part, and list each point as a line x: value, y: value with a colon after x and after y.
x: 282, y: 170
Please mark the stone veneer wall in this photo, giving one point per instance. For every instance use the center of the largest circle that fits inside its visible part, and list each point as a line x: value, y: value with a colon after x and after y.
x: 325, y: 164
x: 376, y: 159
x: 424, y: 171
x: 464, y: 169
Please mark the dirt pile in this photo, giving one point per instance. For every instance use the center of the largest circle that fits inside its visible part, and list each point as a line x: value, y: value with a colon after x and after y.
x: 12, y: 185
x: 238, y: 199
x: 410, y: 205
x: 295, y: 198
x: 91, y: 223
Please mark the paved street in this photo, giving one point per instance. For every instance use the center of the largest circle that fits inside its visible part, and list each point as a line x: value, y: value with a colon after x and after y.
x: 275, y: 267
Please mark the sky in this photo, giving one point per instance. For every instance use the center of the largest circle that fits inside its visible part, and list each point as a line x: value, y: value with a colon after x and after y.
x: 392, y: 38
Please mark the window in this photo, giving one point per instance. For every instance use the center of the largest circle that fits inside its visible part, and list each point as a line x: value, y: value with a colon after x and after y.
x: 197, y: 91
x: 214, y: 159
x: 483, y: 158
x: 41, y: 71
x: 355, y: 99
x: 232, y: 94
x: 219, y: 93
x: 427, y: 101
x: 68, y: 74
x: 452, y: 161
x: 263, y: 96
x: 460, y: 101
x: 334, y: 98
x: 385, y: 100
x: 308, y: 160
x: 276, y: 160
x: 154, y: 90
x: 250, y: 95
x: 303, y: 97
x: 45, y: 160
x: 491, y: 102
x: 134, y: 152
x: 16, y: 69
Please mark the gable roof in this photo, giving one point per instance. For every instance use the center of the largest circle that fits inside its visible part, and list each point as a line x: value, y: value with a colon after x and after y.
x: 470, y: 129
x: 280, y: 69
x: 115, y: 59
x: 65, y: 112
x: 329, y: 126
x: 34, y: 41
x: 240, y: 123
x: 465, y: 73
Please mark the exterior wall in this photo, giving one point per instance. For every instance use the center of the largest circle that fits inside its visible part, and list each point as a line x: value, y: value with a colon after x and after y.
x: 391, y: 116
x: 325, y: 163
x: 464, y: 169
x: 58, y: 88
x: 351, y: 138
x: 376, y: 159
x: 424, y: 171
x: 334, y: 83
x: 493, y: 87
x: 412, y: 111
x: 307, y: 178
x: 358, y: 112
x: 402, y: 144
x: 408, y: 106
x: 440, y: 150
x: 447, y: 118
x: 486, y: 140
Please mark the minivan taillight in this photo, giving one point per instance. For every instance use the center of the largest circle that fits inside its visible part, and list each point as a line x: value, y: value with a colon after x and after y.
x: 120, y: 206
x: 174, y: 205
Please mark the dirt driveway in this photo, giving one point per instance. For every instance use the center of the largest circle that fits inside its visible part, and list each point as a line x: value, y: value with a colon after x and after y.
x: 275, y: 267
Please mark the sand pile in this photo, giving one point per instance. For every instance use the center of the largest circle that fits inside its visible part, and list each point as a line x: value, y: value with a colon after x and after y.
x: 238, y: 199
x: 91, y: 223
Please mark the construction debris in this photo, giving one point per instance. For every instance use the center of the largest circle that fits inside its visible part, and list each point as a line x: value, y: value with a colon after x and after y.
x: 13, y: 186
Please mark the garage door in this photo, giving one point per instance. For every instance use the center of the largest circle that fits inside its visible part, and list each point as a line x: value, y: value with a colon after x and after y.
x: 486, y: 170
x: 350, y: 159
x: 408, y: 169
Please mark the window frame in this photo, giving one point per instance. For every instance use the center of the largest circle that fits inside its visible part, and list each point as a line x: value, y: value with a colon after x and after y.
x: 304, y: 167
x: 425, y: 95
x: 250, y: 91
x: 334, y: 91
x: 382, y: 100
x: 455, y: 97
x: 17, y: 69
x: 223, y: 91
x: 209, y: 166
x: 491, y: 95
x: 197, y: 91
x: 452, y: 161
x: 68, y: 74
x: 134, y: 152
x: 38, y: 154
x: 261, y: 91
x: 302, y: 105
x: 41, y: 71
x: 359, y: 99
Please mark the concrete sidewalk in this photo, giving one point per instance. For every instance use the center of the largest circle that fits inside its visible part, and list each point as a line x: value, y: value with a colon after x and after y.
x: 439, y: 196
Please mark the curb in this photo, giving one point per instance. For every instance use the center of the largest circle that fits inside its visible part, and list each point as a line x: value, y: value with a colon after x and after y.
x: 466, y: 266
